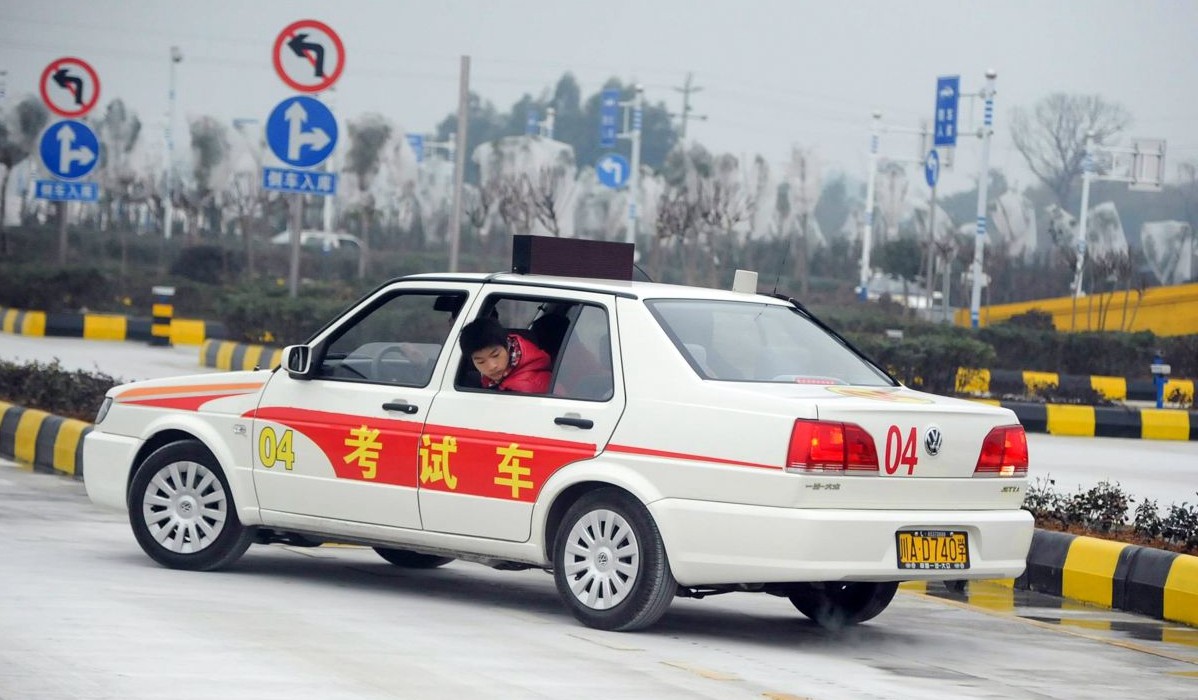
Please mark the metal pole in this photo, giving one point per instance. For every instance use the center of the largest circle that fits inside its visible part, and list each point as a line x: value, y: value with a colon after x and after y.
x: 329, y: 167
x: 459, y: 170
x: 979, y: 241
x: 547, y: 132
x: 931, y: 245
x: 867, y: 226
x: 638, y: 102
x: 169, y: 210
x: 1087, y: 175
x: 295, y: 225
x: 62, y: 232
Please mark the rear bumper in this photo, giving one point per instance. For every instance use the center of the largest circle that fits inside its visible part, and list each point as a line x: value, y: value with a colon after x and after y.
x: 107, y: 459
x: 723, y: 543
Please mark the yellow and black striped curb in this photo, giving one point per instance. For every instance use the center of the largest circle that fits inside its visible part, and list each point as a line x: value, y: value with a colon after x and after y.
x: 1027, y: 382
x: 1114, y: 575
x: 104, y: 326
x: 1103, y: 421
x: 42, y: 441
x: 227, y: 355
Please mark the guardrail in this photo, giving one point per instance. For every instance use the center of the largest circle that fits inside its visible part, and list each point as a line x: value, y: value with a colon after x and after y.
x: 104, y: 326
x: 1103, y: 421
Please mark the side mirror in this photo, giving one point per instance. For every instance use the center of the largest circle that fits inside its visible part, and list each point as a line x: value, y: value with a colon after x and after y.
x: 297, y: 360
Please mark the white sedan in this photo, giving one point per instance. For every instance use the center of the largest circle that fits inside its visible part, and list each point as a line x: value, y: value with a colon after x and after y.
x: 691, y: 442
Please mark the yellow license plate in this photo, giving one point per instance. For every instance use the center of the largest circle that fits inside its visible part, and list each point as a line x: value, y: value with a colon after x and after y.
x: 932, y: 549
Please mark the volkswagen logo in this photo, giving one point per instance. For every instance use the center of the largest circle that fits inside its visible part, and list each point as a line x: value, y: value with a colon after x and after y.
x: 932, y: 440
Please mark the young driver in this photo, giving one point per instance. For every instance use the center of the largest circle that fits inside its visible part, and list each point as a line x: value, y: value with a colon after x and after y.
x: 506, y: 361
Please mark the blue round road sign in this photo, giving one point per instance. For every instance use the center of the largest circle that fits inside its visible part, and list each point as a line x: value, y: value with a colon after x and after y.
x: 613, y: 170
x: 69, y: 149
x: 301, y: 131
x: 931, y: 168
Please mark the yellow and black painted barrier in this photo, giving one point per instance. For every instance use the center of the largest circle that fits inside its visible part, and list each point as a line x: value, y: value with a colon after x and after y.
x: 42, y: 441
x: 230, y: 356
x: 1114, y: 575
x: 105, y: 326
x: 1027, y: 383
x: 1103, y: 421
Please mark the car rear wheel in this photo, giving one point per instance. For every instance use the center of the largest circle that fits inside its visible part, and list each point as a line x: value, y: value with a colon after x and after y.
x: 610, y: 564
x: 837, y: 604
x: 412, y: 560
x: 182, y: 511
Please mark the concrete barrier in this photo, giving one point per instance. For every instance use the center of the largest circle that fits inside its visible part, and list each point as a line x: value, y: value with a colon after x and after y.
x: 42, y: 441
x: 105, y: 326
x: 1027, y: 383
x: 1103, y: 421
x: 230, y: 356
x: 1114, y: 575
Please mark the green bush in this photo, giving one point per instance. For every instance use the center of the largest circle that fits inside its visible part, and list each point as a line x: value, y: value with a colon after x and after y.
x: 929, y: 362
x: 266, y: 314
x: 48, y: 387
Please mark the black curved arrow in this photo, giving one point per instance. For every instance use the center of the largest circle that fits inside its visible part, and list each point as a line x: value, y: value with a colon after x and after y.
x: 66, y: 80
x: 299, y: 46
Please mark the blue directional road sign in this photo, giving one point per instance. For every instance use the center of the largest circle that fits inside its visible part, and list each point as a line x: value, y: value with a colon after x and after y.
x: 69, y: 149
x: 301, y: 131
x: 299, y: 181
x: 59, y: 191
x: 609, y: 113
x: 948, y: 91
x: 613, y: 170
x: 931, y: 168
x: 416, y: 141
x: 532, y: 125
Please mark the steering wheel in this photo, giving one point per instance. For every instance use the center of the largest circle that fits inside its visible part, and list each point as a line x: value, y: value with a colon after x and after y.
x: 376, y: 365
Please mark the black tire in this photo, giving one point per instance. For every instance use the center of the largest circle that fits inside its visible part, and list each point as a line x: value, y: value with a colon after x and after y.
x: 838, y: 604
x: 608, y: 592
x: 182, y: 510
x: 412, y: 560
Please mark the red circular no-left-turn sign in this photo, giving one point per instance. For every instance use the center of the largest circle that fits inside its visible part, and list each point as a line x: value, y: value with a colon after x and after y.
x: 69, y: 87
x: 308, y: 55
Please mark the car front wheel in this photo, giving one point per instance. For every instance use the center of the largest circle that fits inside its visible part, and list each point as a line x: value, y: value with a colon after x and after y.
x: 610, y: 563
x: 837, y: 604
x: 182, y: 511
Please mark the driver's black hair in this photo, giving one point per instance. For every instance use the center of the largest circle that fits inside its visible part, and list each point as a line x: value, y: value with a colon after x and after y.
x: 482, y: 333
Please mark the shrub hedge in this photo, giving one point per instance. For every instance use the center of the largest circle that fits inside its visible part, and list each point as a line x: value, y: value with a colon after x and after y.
x: 48, y: 387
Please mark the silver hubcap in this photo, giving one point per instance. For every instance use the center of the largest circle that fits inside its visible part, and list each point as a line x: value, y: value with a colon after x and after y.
x: 602, y: 559
x: 184, y: 507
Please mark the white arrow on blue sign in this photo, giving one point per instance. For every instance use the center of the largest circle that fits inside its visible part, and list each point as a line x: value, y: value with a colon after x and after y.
x: 613, y: 170
x: 301, y: 131
x: 69, y: 149
x: 931, y: 168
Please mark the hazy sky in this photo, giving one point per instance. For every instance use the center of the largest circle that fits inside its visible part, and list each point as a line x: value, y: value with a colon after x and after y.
x: 773, y: 73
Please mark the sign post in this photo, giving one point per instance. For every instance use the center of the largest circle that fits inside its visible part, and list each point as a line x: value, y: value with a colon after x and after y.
x: 301, y: 131
x: 931, y: 175
x: 613, y: 171
x: 68, y: 149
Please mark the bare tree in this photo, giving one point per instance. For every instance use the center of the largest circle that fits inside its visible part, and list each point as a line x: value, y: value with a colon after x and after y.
x: 367, y: 136
x: 545, y: 198
x: 18, y: 133
x: 209, y: 149
x: 1052, y: 137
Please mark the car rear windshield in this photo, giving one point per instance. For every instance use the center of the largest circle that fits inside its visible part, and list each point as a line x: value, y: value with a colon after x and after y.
x: 754, y: 342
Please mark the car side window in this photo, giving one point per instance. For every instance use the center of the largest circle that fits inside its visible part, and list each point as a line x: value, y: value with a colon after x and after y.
x: 396, y: 341
x: 584, y: 368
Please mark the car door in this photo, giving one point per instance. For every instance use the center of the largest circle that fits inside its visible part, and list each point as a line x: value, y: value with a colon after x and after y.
x: 341, y: 442
x: 485, y: 455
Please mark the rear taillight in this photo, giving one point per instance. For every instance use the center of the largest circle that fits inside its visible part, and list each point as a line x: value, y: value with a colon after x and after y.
x: 1004, y: 453
x: 829, y: 446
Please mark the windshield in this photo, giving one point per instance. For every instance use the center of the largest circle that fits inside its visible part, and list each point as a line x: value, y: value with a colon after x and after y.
x: 753, y: 342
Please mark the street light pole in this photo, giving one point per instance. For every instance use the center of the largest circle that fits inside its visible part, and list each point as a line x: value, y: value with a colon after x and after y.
x: 169, y: 210
x: 867, y: 226
x: 1087, y: 176
x: 638, y: 103
x: 979, y: 241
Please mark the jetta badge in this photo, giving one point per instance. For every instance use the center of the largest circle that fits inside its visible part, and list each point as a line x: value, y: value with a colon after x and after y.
x: 932, y: 440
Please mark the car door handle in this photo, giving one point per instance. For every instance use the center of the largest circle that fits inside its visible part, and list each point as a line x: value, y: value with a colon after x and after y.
x: 401, y: 406
x: 584, y: 423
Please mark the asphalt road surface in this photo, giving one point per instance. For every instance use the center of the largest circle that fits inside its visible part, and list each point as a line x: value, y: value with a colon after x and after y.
x: 85, y: 614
